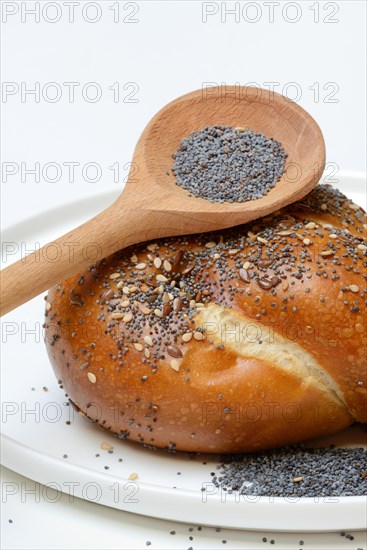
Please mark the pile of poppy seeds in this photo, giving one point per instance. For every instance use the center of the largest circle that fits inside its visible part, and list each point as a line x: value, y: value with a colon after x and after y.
x: 295, y: 471
x: 225, y: 164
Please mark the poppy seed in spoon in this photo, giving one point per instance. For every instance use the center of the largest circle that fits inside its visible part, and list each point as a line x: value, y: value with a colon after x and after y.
x: 225, y: 164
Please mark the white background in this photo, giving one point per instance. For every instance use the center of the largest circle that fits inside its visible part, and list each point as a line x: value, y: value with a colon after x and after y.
x: 168, y: 51
x: 319, y: 58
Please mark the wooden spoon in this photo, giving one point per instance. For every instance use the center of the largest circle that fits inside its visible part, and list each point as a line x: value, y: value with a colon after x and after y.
x: 152, y: 205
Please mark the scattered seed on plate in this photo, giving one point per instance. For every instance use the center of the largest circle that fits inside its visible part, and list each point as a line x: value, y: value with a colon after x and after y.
x: 106, y: 447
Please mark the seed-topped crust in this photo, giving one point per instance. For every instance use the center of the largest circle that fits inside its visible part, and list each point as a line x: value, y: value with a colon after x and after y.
x: 148, y: 338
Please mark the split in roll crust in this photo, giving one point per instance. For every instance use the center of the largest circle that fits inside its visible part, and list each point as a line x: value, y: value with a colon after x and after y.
x: 235, y: 341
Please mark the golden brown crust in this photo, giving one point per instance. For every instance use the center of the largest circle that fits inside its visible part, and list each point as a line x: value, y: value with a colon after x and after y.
x: 284, y: 361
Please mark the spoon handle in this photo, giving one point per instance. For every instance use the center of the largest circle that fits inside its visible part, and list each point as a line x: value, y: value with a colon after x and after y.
x: 112, y: 229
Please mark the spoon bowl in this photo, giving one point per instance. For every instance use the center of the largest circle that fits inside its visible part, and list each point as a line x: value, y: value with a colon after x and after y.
x: 152, y: 205
x: 260, y: 110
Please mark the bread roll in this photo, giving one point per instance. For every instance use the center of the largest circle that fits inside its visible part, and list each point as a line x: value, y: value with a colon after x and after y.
x: 235, y: 341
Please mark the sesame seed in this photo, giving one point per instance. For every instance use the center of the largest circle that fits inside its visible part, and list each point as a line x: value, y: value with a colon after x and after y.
x: 133, y: 476
x: 157, y: 263
x: 199, y: 336
x: 117, y: 315
x: 310, y: 225
x: 187, y: 337
x: 161, y: 278
x: 285, y: 233
x: 127, y: 318
x: 354, y: 288
x: 166, y: 297
x: 106, y: 447
x: 175, y: 365
x: 138, y: 347
x: 148, y: 340
x: 210, y: 244
x: 141, y: 266
x: 307, y: 241
x: 152, y: 247
x: 167, y: 266
x: 158, y: 313
x: 92, y: 377
x: 144, y: 309
x: 115, y: 275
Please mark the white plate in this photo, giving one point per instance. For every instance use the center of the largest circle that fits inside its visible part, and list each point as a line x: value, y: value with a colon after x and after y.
x: 36, y: 435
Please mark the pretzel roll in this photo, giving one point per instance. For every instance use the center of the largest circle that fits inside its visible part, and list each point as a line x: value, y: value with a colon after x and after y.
x: 235, y: 341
